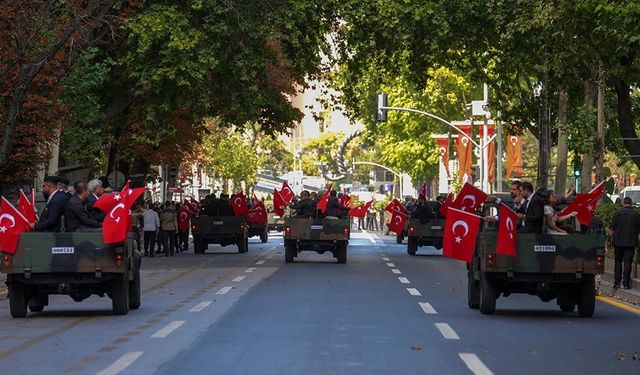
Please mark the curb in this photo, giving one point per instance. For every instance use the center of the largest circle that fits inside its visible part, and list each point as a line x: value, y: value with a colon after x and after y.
x: 630, y: 296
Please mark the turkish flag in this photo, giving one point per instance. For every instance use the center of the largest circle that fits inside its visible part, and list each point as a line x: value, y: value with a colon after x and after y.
x: 322, y: 205
x: 239, y: 205
x: 107, y: 202
x: 183, y: 218
x: 345, y: 200
x: 286, y: 192
x: 12, y: 223
x: 117, y: 222
x: 460, y: 232
x: 443, y: 149
x: 395, y: 206
x: 397, y: 222
x: 257, y: 213
x: 585, y: 204
x: 447, y: 203
x: 26, y: 208
x: 423, y: 191
x: 492, y: 152
x: 514, y: 155
x: 469, y: 198
x: 361, y: 210
x: 279, y: 203
x: 463, y: 148
x: 507, y: 231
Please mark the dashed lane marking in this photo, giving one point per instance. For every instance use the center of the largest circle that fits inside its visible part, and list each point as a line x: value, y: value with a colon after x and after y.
x: 447, y: 331
x: 413, y: 291
x: 427, y: 308
x: 386, y: 259
x: 224, y: 290
x: 238, y: 279
x: 369, y: 236
x: 404, y: 280
x: 121, y: 363
x: 168, y: 329
x: 391, y: 265
x: 260, y: 262
x: 250, y: 270
x: 396, y: 271
x: 201, y: 306
x: 475, y: 364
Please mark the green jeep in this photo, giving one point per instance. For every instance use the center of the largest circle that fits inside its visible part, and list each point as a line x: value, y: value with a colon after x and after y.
x: 75, y: 264
x: 429, y: 234
x: 548, y: 266
x: 319, y: 235
x: 222, y: 230
x: 259, y: 230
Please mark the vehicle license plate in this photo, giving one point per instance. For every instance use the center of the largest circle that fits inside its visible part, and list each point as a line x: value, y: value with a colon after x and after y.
x: 62, y: 250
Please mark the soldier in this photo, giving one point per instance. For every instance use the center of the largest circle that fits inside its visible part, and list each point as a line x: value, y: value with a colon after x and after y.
x: 76, y: 216
x: 333, y: 205
x: 623, y: 234
x: 51, y: 218
x: 304, y: 206
x: 422, y: 211
x: 96, y: 190
x: 224, y: 206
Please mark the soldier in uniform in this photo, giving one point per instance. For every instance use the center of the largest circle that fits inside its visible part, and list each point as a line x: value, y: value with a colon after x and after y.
x: 51, y: 217
x: 422, y: 211
x: 333, y: 205
x: 76, y: 216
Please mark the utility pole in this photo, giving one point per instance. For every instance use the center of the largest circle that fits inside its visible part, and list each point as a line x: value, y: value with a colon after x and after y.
x: 483, y: 144
x: 499, y: 154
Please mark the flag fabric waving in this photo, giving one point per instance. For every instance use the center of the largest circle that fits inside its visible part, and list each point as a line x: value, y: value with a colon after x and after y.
x: 514, y: 155
x: 117, y: 222
x: 447, y: 203
x: 423, y: 191
x: 345, y: 200
x: 12, y: 223
x: 395, y: 206
x: 397, y: 222
x: 26, y: 208
x: 239, y: 204
x: 585, y: 204
x: 443, y: 148
x: 361, y: 210
x: 286, y: 192
x: 507, y: 231
x: 463, y: 148
x: 257, y: 213
x: 460, y: 232
x: 322, y: 205
x: 183, y: 218
x: 279, y: 203
x: 107, y: 202
x: 469, y: 198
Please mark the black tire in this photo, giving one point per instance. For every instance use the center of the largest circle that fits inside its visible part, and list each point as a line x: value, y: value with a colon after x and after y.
x: 568, y: 307
x: 120, y: 295
x: 473, y: 292
x: 199, y: 246
x: 399, y: 238
x: 488, y: 295
x: 243, y: 245
x: 36, y: 308
x: 289, y: 252
x: 264, y: 237
x: 587, y: 297
x: 412, y: 246
x: 341, y: 252
x: 17, y: 301
x: 134, y: 291
x: 38, y: 302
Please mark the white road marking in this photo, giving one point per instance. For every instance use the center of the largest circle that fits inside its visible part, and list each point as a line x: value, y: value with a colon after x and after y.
x: 396, y: 271
x: 427, y: 308
x: 391, y: 265
x: 475, y: 364
x: 413, y: 291
x: 224, y: 290
x: 121, y: 363
x: 238, y: 279
x: 261, y: 262
x: 404, y: 280
x: 166, y: 330
x: 250, y: 270
x: 386, y: 259
x: 201, y: 306
x: 369, y: 236
x: 447, y: 331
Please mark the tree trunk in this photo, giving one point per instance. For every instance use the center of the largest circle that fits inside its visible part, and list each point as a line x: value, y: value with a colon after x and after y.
x: 544, y: 138
x: 600, y: 148
x: 625, y: 120
x: 561, y: 165
x: 587, y: 159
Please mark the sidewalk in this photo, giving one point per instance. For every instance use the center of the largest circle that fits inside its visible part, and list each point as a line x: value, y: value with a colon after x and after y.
x: 626, y: 295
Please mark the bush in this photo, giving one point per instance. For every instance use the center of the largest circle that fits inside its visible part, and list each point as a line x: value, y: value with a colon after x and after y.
x: 605, y: 212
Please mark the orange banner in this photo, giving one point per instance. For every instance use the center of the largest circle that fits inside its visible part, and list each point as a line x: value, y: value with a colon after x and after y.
x: 463, y: 149
x: 443, y: 149
x: 514, y: 155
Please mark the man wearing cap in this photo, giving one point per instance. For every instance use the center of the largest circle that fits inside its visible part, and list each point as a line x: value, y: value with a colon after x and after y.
x: 95, y: 192
x: 51, y: 217
x: 63, y: 185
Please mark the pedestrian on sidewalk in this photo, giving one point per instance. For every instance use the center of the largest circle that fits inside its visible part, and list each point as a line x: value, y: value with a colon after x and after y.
x: 150, y: 226
x: 623, y: 234
x: 169, y: 227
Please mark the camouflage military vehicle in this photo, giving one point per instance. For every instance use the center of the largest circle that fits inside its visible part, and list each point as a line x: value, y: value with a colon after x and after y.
x: 319, y: 235
x: 76, y: 264
x: 275, y: 222
x: 429, y: 234
x: 222, y: 230
x: 548, y: 266
x: 259, y: 230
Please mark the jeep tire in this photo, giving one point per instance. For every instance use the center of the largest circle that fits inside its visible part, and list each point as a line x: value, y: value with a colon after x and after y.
x: 341, y: 252
x: 412, y: 245
x: 264, y: 237
x: 289, y: 252
x: 473, y: 292
x: 488, y: 295
x: 134, y: 291
x: 587, y: 296
x: 17, y: 301
x: 120, y: 294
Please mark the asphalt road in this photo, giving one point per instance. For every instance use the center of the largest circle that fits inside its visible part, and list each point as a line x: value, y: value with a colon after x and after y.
x: 384, y: 312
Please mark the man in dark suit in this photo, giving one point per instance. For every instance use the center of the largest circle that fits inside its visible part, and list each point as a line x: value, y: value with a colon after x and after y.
x: 95, y: 192
x: 533, y: 207
x: 51, y: 217
x: 304, y: 207
x: 423, y: 211
x: 76, y: 217
x: 333, y: 204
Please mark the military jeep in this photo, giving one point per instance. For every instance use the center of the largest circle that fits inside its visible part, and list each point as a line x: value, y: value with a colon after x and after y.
x: 222, y: 230
x: 259, y: 230
x: 548, y: 266
x: 429, y: 234
x: 75, y: 264
x: 319, y: 235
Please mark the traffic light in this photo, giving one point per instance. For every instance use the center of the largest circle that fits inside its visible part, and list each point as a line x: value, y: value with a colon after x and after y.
x: 577, y: 167
x: 382, y: 104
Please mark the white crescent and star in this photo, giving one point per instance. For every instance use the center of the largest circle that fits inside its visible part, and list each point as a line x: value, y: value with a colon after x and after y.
x: 9, y: 217
x: 509, y: 224
x: 471, y: 198
x: 119, y: 205
x: 463, y: 224
x: 514, y: 140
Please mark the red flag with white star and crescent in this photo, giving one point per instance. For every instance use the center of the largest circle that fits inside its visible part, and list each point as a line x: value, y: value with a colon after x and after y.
x: 460, y: 232
x: 239, y: 204
x: 118, y: 220
x: 585, y: 204
x: 12, y: 223
x: 397, y: 222
x: 286, y: 192
x: 469, y: 198
x: 279, y: 203
x: 507, y: 231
